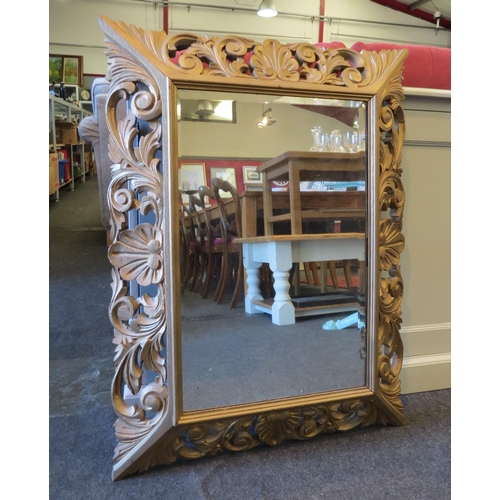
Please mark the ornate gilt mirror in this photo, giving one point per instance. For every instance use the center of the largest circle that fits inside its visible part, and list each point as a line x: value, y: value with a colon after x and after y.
x: 220, y: 137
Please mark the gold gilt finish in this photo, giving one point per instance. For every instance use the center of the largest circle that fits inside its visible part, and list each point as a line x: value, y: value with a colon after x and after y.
x: 144, y: 68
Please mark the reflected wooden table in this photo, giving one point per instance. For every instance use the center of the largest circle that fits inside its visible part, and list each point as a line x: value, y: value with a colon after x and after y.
x: 280, y: 252
x: 294, y: 167
x: 342, y: 205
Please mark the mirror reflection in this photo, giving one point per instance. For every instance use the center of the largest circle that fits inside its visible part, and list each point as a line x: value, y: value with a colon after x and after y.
x: 272, y: 210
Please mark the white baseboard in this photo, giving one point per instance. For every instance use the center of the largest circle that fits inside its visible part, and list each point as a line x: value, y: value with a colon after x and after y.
x: 427, y: 358
x: 426, y: 373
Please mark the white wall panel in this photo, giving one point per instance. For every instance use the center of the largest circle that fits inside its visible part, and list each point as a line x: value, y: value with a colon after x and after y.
x: 426, y: 260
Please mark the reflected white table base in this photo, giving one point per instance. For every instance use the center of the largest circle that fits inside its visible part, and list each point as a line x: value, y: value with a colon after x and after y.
x: 280, y: 252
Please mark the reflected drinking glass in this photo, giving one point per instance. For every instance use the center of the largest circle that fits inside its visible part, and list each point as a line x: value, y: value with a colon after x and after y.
x: 335, y: 141
x: 351, y: 141
x: 362, y: 142
x: 319, y: 139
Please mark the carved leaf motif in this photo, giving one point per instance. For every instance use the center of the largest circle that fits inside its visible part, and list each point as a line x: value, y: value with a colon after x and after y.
x: 331, y: 69
x: 126, y: 362
x: 391, y: 348
x: 224, y: 56
x: 348, y: 414
x: 239, y: 437
x: 153, y: 361
x: 154, y: 396
x: 391, y: 293
x: 389, y: 326
x: 392, y: 194
x: 272, y: 61
x: 376, y: 64
x: 120, y: 144
x: 153, y: 41
x: 314, y: 422
x: 131, y: 431
x: 122, y: 71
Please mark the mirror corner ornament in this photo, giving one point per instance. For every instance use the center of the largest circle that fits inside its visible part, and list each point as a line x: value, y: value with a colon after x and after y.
x: 148, y: 434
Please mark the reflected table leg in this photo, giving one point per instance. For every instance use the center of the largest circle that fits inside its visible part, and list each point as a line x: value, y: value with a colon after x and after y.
x: 279, y: 257
x: 280, y: 252
x: 252, y: 289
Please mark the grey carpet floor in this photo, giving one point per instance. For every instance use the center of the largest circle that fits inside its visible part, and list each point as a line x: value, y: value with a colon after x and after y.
x: 412, y: 461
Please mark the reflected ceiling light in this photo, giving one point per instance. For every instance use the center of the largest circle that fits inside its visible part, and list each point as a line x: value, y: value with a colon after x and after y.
x: 267, y: 9
x: 204, y: 109
x: 266, y: 120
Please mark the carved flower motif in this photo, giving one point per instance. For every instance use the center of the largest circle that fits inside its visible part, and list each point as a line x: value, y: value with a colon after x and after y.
x: 275, y: 427
x: 392, y: 243
x: 137, y: 254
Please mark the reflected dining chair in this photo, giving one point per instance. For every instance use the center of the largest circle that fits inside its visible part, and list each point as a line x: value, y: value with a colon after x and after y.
x: 196, y: 210
x: 232, y: 261
x: 189, y: 256
x: 213, y: 248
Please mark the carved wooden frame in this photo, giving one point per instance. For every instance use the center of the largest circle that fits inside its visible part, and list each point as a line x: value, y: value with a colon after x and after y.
x: 146, y: 68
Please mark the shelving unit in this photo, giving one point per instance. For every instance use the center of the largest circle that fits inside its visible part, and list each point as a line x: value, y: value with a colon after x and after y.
x: 72, y: 114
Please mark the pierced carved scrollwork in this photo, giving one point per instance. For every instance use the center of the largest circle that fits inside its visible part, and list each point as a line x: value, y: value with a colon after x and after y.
x: 271, y: 428
x: 391, y: 243
x: 235, y: 56
x: 139, y: 259
x: 136, y: 254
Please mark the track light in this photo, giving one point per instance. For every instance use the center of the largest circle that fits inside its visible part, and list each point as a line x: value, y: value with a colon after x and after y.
x: 267, y: 9
x: 266, y: 120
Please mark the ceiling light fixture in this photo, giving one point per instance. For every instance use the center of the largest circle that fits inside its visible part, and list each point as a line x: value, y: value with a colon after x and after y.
x: 267, y: 9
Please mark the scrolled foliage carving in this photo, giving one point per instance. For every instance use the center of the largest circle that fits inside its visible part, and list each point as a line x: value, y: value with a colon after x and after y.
x: 235, y: 56
x: 136, y: 254
x: 391, y: 241
x: 270, y: 428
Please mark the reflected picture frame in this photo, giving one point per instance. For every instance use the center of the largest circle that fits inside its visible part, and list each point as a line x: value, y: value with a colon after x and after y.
x: 251, y: 176
x: 226, y: 174
x: 191, y: 177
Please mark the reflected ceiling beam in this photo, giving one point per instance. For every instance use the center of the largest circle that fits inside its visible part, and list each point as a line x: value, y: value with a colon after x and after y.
x: 417, y: 4
x: 344, y: 115
x: 406, y: 9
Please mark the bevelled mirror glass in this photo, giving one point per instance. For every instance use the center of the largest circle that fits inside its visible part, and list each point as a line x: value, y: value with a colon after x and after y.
x: 256, y: 207
x: 230, y: 356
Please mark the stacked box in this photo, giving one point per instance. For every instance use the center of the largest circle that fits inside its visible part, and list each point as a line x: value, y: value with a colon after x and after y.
x: 53, y: 173
x: 67, y: 133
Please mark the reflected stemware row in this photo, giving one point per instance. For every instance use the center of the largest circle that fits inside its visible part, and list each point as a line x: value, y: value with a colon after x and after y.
x: 336, y: 142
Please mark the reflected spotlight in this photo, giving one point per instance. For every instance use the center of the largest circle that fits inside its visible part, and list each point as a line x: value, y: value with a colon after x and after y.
x: 266, y: 120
